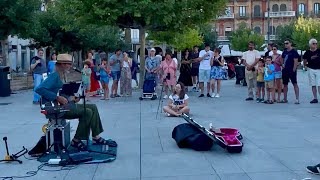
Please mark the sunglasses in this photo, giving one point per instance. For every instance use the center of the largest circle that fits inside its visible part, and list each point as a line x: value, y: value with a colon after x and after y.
x: 274, y: 49
x: 314, y: 43
x: 286, y: 43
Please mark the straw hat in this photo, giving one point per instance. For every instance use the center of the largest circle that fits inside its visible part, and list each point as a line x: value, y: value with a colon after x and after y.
x: 64, y: 58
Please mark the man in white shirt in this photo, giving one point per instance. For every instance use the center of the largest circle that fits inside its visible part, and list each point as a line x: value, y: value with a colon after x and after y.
x: 251, y: 59
x: 204, y: 69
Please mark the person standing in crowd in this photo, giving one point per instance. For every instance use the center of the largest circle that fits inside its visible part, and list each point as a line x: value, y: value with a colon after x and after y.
x: 185, y: 70
x: 86, y: 74
x: 276, y: 59
x: 260, y: 81
x: 104, y: 70
x: 39, y: 71
x: 125, y: 78
x: 216, y: 74
x: 168, y: 69
x: 251, y: 59
x: 152, y: 66
x: 178, y: 102
x: 134, y: 70
x: 269, y: 50
x: 290, y: 63
x: 94, y: 84
x: 269, y: 80
x: 311, y: 59
x: 52, y: 63
x: 195, y: 67
x: 204, y: 69
x: 115, y: 63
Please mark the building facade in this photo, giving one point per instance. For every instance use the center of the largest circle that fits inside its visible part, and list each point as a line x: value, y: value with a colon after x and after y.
x: 255, y: 14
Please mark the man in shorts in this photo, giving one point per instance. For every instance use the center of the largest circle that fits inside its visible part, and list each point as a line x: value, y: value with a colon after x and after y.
x: 204, y: 69
x: 289, y: 72
x: 115, y: 61
x: 195, y: 67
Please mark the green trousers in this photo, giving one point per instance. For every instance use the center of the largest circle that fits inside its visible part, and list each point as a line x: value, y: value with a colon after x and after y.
x: 89, y: 119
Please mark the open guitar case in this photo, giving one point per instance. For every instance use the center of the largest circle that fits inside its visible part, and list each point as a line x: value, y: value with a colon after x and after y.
x: 227, y: 138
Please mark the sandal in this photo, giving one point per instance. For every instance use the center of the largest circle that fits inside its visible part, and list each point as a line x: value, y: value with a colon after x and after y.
x: 102, y: 141
x: 297, y: 102
x: 270, y: 102
x: 283, y: 101
x: 79, y: 145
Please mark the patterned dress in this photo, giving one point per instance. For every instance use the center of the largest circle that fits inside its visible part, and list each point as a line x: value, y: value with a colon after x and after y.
x: 169, y: 67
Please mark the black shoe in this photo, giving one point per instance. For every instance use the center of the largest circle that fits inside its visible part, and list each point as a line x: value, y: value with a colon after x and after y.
x: 314, y: 169
x: 208, y: 95
x: 314, y: 101
x: 201, y: 95
x: 249, y: 99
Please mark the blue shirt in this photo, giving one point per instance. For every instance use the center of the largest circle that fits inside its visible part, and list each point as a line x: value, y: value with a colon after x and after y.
x: 49, y: 88
x: 86, y: 78
x: 288, y: 59
x: 267, y: 76
x: 116, y: 66
x: 51, y: 65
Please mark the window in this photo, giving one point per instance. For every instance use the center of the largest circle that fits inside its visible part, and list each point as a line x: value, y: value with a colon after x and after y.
x: 301, y: 8
x: 275, y: 8
x: 256, y: 11
x: 283, y: 7
x: 228, y: 11
x: 272, y: 30
x: 242, y: 11
x: 257, y: 29
x: 316, y: 8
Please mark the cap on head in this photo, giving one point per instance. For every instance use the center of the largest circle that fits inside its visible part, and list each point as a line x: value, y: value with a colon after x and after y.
x: 64, y: 59
x: 152, y: 49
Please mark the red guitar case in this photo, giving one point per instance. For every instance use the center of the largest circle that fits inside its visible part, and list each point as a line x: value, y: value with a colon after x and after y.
x: 227, y: 138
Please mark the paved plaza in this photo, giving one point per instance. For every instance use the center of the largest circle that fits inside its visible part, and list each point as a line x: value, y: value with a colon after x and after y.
x: 280, y: 140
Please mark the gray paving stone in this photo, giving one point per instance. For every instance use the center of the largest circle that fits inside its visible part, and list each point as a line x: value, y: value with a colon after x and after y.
x: 192, y: 177
x: 274, y: 176
x: 236, y: 176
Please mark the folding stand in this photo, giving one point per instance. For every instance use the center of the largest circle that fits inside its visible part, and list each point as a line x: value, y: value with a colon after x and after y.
x: 13, y: 157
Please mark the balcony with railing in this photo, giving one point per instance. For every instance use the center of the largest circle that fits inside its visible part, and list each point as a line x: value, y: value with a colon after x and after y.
x: 227, y: 16
x: 272, y: 37
x: 281, y: 14
x: 223, y: 38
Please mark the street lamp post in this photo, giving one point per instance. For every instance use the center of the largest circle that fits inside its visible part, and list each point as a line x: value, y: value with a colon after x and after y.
x: 268, y: 21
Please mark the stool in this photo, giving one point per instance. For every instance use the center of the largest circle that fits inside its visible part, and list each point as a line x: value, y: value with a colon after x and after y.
x: 57, y: 135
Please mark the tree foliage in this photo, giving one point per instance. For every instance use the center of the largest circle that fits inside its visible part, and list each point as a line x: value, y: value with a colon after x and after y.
x: 304, y: 30
x: 208, y: 34
x: 16, y: 16
x: 52, y: 28
x: 239, y: 38
x: 284, y: 32
x: 182, y: 40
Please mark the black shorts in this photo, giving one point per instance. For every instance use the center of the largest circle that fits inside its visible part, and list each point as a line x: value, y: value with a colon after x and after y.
x: 194, y: 72
x: 286, y: 76
x: 260, y: 84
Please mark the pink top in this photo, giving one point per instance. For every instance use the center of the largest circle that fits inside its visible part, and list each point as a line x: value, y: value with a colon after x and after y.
x: 169, y: 67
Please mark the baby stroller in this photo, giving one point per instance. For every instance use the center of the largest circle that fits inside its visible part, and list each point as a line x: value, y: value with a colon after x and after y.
x: 149, y: 89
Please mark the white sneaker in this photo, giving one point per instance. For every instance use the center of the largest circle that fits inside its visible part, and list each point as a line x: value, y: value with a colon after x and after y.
x: 213, y: 95
x: 217, y: 96
x: 165, y: 97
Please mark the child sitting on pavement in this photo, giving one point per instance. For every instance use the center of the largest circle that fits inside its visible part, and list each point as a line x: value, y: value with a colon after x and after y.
x: 178, y: 102
x: 269, y: 76
x: 260, y: 82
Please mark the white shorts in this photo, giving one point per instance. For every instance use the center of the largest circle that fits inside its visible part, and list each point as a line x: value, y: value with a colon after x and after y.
x: 314, y: 77
x: 204, y: 75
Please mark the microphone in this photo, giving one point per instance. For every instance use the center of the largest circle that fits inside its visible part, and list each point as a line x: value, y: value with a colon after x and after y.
x: 77, y: 70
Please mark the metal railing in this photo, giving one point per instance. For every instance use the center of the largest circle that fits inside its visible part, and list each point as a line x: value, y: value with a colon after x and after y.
x: 272, y: 37
x: 281, y: 14
x: 226, y: 16
x: 223, y: 38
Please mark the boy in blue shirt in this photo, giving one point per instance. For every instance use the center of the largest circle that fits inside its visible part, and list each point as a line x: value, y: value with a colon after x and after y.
x: 269, y: 80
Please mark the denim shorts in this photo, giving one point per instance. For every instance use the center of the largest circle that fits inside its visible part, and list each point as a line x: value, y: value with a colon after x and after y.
x: 115, y: 75
x: 278, y: 75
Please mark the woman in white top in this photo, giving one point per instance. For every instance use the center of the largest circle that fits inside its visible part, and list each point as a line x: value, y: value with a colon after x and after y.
x: 125, y: 78
x: 178, y: 102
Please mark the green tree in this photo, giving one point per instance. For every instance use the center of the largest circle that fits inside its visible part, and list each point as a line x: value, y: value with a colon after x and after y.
x: 179, y: 40
x: 209, y: 34
x: 239, y: 38
x: 144, y: 15
x: 15, y: 19
x: 304, y: 30
x: 284, y: 32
